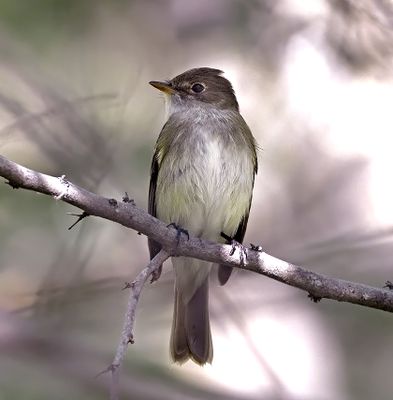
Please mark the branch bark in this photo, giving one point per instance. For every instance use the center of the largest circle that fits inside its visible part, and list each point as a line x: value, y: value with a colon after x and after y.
x: 126, y: 213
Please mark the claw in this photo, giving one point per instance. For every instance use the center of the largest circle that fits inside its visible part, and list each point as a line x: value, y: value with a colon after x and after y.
x: 179, y: 230
x: 242, y: 251
x: 236, y: 245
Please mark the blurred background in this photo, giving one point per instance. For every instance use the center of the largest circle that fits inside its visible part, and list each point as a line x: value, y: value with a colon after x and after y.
x: 314, y: 82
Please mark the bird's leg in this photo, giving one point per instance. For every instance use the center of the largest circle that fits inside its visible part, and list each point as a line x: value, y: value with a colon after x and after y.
x: 236, y: 245
x: 157, y: 273
x: 179, y: 230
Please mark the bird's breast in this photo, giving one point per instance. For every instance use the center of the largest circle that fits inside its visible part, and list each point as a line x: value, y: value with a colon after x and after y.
x: 205, y: 183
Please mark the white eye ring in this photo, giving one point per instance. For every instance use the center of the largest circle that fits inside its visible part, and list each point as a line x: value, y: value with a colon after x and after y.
x: 198, y: 87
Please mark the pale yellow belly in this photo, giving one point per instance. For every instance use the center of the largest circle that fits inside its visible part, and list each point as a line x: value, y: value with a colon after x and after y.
x: 205, y: 194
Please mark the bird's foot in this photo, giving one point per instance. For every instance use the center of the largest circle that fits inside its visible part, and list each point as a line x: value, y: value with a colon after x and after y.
x: 236, y: 245
x: 179, y: 231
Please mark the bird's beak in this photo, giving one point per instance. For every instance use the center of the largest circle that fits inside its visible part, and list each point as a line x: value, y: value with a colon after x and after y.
x: 163, y: 86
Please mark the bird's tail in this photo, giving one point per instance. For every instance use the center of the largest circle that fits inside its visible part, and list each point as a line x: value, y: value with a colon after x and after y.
x: 191, y: 337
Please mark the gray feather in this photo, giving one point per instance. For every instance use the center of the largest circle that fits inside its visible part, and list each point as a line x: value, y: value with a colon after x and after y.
x: 191, y: 337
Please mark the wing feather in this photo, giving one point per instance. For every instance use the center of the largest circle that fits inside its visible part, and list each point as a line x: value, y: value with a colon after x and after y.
x: 154, y: 247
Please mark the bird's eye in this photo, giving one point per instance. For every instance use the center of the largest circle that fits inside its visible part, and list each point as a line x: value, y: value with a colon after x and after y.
x: 197, y: 88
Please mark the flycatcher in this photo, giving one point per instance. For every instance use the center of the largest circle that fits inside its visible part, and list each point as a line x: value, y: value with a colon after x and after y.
x: 202, y: 177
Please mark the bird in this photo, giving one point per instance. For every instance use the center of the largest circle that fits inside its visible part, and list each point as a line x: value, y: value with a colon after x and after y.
x: 202, y: 179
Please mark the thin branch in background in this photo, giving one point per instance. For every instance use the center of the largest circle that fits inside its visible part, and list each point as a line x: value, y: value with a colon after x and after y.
x: 62, y: 132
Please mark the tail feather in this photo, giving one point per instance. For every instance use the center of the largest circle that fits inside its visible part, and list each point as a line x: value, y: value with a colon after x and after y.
x: 191, y: 337
x: 179, y: 347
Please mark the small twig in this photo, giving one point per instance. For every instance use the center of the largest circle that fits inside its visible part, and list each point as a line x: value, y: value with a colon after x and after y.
x: 80, y: 217
x: 127, y: 334
x: 12, y: 184
x: 128, y: 285
x: 256, y: 247
x: 313, y: 298
x: 389, y: 285
x: 127, y: 199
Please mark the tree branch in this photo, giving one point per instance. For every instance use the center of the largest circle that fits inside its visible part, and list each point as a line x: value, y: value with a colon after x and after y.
x: 127, y: 214
x: 127, y: 335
